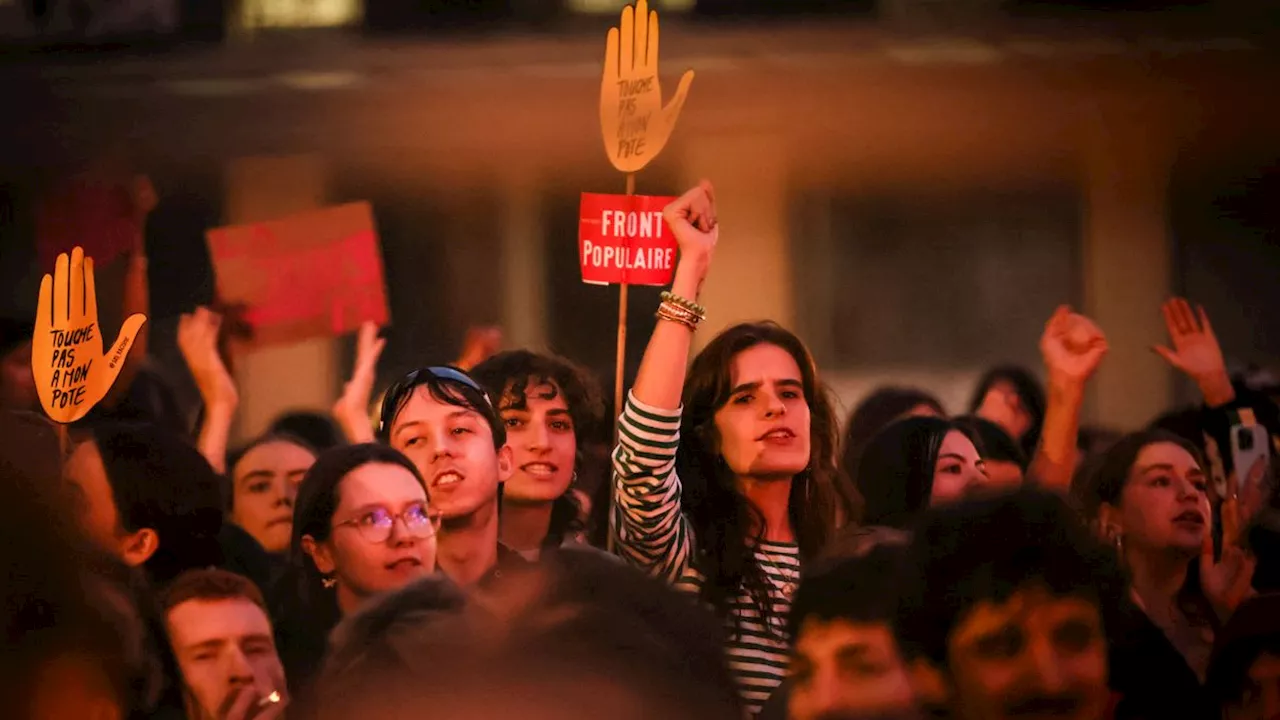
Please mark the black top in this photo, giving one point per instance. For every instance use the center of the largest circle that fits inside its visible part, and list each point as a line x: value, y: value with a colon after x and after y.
x: 244, y: 556
x: 508, y: 559
x: 302, y: 636
x: 1148, y: 673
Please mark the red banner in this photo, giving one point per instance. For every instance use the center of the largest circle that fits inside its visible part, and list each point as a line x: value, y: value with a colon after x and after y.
x: 313, y: 274
x: 623, y: 239
x: 93, y: 214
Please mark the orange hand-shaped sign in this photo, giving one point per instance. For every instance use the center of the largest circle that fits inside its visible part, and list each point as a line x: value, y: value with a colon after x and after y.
x: 633, y: 119
x: 70, y: 370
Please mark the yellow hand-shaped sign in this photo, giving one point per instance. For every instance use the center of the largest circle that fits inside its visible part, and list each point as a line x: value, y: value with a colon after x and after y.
x: 634, y: 122
x: 71, y: 373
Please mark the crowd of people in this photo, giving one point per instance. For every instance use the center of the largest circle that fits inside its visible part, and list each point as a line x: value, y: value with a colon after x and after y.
x: 464, y: 544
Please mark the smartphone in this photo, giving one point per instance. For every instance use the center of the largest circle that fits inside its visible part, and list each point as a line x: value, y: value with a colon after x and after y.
x: 1249, y: 444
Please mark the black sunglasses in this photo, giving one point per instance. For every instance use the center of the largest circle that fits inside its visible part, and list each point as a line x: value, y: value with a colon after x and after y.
x: 397, y: 393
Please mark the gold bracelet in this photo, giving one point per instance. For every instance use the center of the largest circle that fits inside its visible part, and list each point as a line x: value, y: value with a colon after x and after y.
x: 684, y: 303
x: 687, y: 319
x: 682, y: 311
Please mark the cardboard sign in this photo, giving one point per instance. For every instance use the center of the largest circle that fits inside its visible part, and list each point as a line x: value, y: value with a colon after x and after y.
x: 314, y: 274
x: 633, y: 120
x: 622, y: 239
x: 70, y: 370
x: 96, y: 215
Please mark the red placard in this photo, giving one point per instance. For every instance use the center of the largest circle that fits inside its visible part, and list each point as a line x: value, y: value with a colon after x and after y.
x: 95, y: 214
x: 623, y: 239
x: 314, y: 274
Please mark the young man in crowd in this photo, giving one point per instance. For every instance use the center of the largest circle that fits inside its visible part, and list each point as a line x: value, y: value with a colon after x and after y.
x: 445, y: 423
x: 222, y: 640
x: 576, y: 636
x: 845, y: 662
x: 147, y: 497
x: 1000, y: 613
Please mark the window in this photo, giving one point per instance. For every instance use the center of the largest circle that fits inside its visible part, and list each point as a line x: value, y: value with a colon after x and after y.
x: 298, y: 13
x: 931, y: 289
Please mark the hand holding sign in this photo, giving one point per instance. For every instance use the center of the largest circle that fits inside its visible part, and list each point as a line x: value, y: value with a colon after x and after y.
x: 70, y: 370
x: 634, y: 122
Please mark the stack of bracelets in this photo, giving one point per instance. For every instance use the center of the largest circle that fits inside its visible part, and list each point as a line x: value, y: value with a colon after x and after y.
x: 681, y: 310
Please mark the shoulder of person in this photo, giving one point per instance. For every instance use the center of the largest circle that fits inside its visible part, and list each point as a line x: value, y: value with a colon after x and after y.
x: 577, y: 546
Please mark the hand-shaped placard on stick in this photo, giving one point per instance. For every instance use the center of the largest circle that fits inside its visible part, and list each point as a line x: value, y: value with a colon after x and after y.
x: 633, y: 120
x: 71, y: 372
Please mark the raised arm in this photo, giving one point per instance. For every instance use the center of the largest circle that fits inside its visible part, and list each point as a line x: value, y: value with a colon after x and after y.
x: 648, y: 526
x: 351, y: 411
x: 1072, y: 347
x: 1196, y: 352
x: 198, y: 341
x: 137, y: 289
x: 692, y: 218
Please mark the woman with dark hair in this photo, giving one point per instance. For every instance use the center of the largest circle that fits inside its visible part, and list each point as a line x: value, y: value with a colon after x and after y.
x: 317, y: 430
x: 913, y: 464
x: 361, y: 526
x: 551, y: 408
x: 883, y: 407
x: 76, y: 644
x: 1149, y: 497
x: 264, y: 476
x: 1005, y: 463
x: 150, y: 499
x: 724, y: 478
x: 1014, y: 399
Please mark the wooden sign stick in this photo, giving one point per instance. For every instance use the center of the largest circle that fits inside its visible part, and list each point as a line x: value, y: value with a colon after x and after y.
x: 621, y: 367
x: 635, y: 125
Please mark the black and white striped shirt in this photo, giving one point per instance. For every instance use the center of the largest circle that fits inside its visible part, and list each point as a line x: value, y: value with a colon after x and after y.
x: 651, y: 531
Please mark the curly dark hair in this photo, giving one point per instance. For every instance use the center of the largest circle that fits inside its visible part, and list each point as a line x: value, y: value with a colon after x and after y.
x: 506, y: 376
x: 721, y: 517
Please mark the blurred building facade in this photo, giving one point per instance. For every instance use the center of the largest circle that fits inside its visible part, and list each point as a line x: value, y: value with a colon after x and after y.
x: 914, y: 203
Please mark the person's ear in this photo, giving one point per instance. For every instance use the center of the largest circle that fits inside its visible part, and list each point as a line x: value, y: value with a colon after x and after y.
x: 320, y: 554
x: 506, y: 463
x: 1110, y: 524
x: 137, y: 547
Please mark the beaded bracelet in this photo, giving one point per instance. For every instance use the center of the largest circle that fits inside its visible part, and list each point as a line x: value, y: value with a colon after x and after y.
x: 684, y: 303
x: 676, y: 313
x: 696, y: 315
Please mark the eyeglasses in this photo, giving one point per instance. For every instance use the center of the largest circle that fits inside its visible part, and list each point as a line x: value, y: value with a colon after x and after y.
x: 375, y: 525
x: 397, y: 393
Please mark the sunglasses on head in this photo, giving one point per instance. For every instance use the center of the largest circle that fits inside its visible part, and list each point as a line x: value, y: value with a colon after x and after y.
x: 440, y: 373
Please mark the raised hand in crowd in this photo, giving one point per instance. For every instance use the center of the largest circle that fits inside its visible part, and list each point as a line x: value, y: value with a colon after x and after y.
x: 1196, y: 351
x: 1226, y: 580
x: 692, y: 218
x: 351, y: 410
x: 198, y: 341
x: 136, y: 296
x: 480, y: 344
x: 1072, y: 347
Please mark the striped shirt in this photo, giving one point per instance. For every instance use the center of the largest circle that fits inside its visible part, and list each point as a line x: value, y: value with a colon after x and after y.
x: 651, y: 532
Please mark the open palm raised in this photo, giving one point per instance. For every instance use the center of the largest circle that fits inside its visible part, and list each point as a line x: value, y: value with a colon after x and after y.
x: 71, y: 372
x: 634, y: 121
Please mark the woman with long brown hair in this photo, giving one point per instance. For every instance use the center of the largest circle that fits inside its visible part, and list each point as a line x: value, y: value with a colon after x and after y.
x: 1149, y: 498
x: 724, y: 477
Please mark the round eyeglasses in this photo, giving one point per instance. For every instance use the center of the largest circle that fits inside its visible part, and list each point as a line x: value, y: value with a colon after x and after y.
x: 375, y: 524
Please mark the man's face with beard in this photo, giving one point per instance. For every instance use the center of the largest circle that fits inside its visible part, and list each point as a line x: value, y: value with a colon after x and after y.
x: 1035, y: 655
